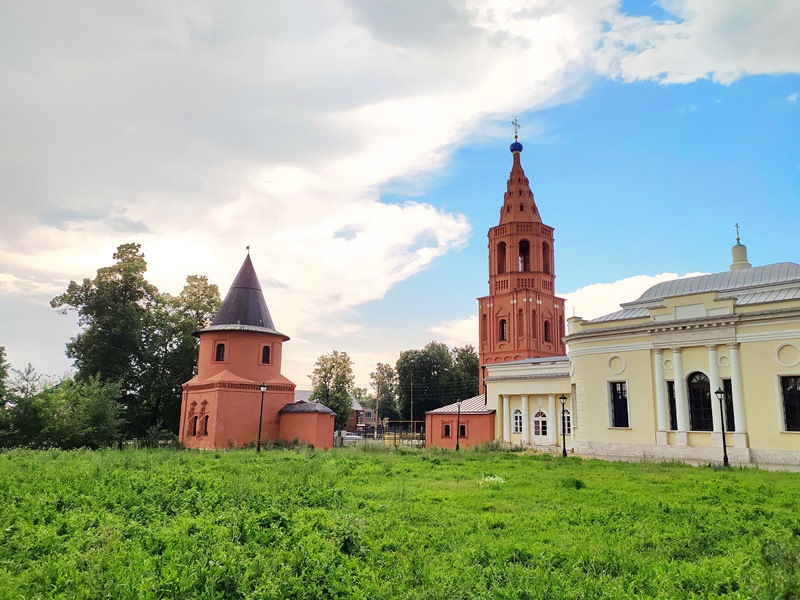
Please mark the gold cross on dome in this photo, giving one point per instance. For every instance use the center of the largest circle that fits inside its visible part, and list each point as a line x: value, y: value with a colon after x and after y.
x: 517, y: 126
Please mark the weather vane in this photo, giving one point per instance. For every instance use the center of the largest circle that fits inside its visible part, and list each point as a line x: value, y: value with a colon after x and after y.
x: 517, y: 126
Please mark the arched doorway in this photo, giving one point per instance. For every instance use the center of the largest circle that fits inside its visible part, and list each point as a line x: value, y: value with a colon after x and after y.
x: 699, y: 393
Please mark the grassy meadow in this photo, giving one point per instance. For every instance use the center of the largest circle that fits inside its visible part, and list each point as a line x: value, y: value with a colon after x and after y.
x: 355, y: 523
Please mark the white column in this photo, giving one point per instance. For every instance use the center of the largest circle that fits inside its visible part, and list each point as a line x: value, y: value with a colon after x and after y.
x: 714, y: 384
x: 526, y: 422
x: 736, y: 388
x: 551, y: 420
x: 506, y: 420
x: 662, y: 410
x: 681, y: 407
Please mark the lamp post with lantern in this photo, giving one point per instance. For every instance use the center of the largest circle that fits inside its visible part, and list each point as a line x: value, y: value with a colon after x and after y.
x: 721, y: 395
x: 263, y: 388
x: 563, y: 399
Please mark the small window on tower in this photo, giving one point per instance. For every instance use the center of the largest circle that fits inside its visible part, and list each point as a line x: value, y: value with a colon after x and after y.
x: 547, y: 335
x: 265, y: 355
x: 503, y: 330
x: 521, y: 207
x: 219, y: 355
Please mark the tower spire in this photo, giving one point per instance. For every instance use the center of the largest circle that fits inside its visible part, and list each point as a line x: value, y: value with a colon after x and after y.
x: 739, y: 254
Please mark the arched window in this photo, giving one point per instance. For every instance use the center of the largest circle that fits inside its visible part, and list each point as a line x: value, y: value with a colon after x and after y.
x: 204, y: 428
x: 484, y: 334
x: 265, y: 355
x: 503, y: 330
x: 194, y: 426
x: 566, y: 421
x: 533, y: 323
x: 517, y: 420
x: 520, y: 323
x: 539, y: 423
x: 501, y: 258
x: 521, y: 207
x: 524, y: 255
x: 446, y: 430
x: 219, y: 355
x: 546, y: 258
x: 547, y: 334
x: 699, y: 389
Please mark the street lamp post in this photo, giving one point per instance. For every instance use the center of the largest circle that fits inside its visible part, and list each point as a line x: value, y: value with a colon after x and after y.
x: 721, y: 395
x: 263, y: 388
x: 563, y: 399
x: 458, y: 424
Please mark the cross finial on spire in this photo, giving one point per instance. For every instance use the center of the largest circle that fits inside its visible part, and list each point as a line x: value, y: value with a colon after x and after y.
x: 248, y: 250
x: 517, y: 126
x: 737, y: 233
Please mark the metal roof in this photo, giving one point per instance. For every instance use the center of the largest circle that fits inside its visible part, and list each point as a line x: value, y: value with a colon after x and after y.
x: 244, y: 307
x: 474, y: 405
x: 756, y: 285
x: 306, y: 407
x: 721, y: 282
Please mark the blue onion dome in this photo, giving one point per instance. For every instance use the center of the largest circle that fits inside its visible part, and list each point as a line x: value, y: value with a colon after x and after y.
x: 516, y: 147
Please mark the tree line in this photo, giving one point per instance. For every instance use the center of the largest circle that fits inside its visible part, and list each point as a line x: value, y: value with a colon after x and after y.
x: 419, y: 381
x: 136, y: 349
x: 134, y: 352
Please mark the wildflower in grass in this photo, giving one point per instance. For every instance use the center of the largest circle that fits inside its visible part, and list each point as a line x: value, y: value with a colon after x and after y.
x: 491, y: 481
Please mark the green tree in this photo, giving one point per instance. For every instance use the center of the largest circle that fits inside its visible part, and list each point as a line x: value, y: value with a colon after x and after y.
x: 426, y: 376
x: 70, y: 414
x: 466, y: 367
x: 435, y: 376
x: 169, y: 355
x: 384, y: 382
x: 112, y: 309
x: 137, y: 337
x: 332, y: 385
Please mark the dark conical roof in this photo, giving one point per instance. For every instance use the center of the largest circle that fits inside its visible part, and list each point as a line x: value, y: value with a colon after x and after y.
x: 244, y: 307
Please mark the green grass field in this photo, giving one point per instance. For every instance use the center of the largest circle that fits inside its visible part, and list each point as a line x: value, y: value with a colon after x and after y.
x: 355, y: 523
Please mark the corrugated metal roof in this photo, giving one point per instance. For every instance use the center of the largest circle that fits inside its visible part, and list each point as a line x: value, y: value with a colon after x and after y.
x: 742, y: 285
x: 720, y: 282
x: 244, y: 307
x: 474, y: 405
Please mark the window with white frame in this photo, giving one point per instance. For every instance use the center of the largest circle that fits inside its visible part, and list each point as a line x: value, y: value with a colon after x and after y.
x: 539, y: 423
x: 517, y: 421
x: 618, y: 404
x: 566, y: 421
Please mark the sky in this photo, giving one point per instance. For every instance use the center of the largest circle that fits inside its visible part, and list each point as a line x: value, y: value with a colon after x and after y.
x: 360, y: 148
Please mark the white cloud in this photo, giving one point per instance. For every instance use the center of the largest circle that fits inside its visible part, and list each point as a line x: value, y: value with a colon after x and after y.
x: 723, y: 40
x: 197, y: 128
x: 457, y: 332
x: 600, y: 299
x: 792, y: 97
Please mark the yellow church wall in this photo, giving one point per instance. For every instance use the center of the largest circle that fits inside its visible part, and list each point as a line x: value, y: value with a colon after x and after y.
x: 594, y: 374
x: 764, y: 362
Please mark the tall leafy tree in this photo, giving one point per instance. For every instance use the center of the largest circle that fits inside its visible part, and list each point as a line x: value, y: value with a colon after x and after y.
x: 435, y: 376
x: 332, y: 385
x: 137, y: 337
x: 425, y: 378
x: 466, y: 367
x: 169, y: 355
x: 384, y: 382
x: 112, y: 309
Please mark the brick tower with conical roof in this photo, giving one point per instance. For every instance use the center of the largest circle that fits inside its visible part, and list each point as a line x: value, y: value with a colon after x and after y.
x: 239, y: 351
x: 521, y: 317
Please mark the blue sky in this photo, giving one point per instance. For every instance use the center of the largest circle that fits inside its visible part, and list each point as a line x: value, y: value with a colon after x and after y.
x: 360, y: 147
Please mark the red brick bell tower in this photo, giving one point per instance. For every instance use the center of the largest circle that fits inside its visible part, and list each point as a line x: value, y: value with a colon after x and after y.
x: 521, y: 317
